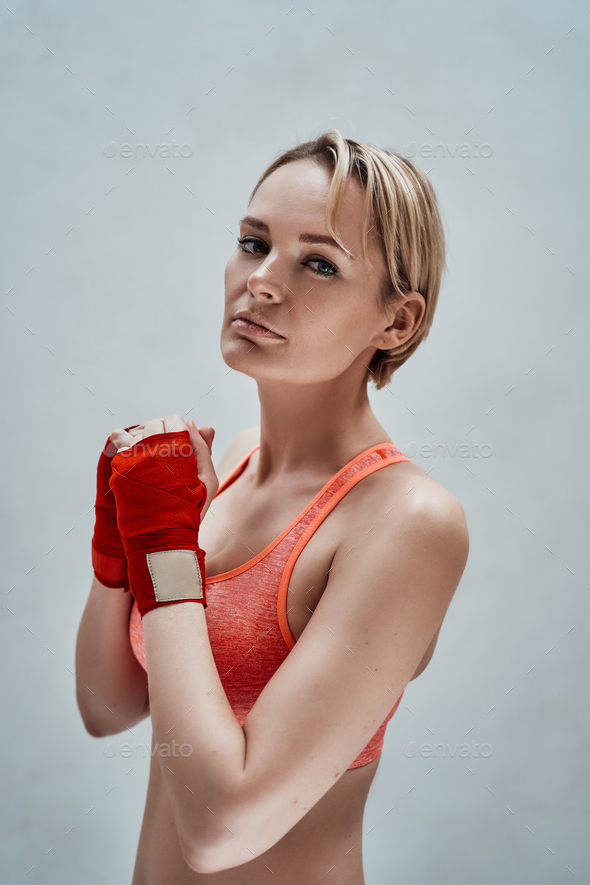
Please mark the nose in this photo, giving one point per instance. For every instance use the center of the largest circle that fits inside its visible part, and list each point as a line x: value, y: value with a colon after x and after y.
x: 265, y: 285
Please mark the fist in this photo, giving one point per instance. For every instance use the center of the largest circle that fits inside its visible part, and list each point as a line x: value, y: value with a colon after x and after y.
x: 201, y: 439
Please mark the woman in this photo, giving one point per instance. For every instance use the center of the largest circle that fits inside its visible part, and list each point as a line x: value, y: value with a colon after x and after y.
x: 280, y: 632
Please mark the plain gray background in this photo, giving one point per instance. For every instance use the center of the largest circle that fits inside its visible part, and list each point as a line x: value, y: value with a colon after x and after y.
x: 113, y: 291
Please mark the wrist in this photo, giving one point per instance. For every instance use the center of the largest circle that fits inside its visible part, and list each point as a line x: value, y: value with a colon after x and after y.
x: 109, y: 570
x: 164, y: 576
x: 160, y: 498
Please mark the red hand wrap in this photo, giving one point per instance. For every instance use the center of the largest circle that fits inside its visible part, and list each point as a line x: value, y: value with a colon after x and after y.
x: 108, y: 554
x: 159, y: 499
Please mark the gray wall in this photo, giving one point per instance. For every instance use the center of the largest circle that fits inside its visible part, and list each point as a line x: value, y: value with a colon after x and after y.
x: 114, y: 278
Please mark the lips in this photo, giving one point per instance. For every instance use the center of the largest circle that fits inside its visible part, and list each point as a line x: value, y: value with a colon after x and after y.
x: 245, y: 318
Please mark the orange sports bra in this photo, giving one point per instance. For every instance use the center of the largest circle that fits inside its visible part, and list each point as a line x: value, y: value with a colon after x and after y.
x: 246, y: 611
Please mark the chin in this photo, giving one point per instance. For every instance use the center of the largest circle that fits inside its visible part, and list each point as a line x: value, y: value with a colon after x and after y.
x: 239, y: 354
x: 247, y: 357
x: 253, y: 364
x: 243, y: 356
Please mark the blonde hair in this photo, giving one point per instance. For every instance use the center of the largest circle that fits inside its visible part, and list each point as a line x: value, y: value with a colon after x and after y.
x: 401, y: 208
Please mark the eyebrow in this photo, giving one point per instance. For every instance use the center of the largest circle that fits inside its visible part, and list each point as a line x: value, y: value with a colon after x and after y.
x: 304, y: 238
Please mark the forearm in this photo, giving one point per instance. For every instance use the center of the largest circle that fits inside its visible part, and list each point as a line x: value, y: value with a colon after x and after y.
x: 161, y: 486
x: 111, y: 685
x: 188, y: 705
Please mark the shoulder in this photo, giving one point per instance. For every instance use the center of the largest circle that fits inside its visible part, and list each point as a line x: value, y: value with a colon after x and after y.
x: 236, y: 451
x: 408, y: 505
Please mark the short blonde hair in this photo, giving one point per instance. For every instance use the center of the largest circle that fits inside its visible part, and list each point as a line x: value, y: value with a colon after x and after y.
x: 401, y: 208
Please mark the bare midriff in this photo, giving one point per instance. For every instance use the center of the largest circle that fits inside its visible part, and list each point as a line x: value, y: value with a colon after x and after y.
x: 327, y: 838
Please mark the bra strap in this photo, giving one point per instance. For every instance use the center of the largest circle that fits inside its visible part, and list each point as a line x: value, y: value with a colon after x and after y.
x: 315, y: 524
x: 236, y: 472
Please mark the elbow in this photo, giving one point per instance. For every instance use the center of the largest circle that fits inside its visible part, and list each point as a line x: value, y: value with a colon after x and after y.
x: 237, y: 833
x: 206, y: 862
x: 213, y: 853
x: 101, y: 727
x: 96, y: 726
x: 91, y: 724
x: 102, y: 722
x: 95, y: 732
x: 199, y: 863
x: 95, y: 729
x: 204, y: 859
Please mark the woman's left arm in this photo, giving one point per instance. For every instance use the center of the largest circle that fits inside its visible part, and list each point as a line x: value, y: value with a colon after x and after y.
x: 236, y: 791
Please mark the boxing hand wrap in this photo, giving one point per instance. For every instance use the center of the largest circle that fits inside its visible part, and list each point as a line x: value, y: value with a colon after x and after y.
x: 108, y: 554
x: 159, y: 498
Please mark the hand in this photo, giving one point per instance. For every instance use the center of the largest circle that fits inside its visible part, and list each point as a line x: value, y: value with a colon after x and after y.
x: 201, y: 439
x: 108, y: 554
x: 160, y: 496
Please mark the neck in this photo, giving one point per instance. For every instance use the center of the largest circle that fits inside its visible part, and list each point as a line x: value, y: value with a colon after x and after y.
x: 314, y: 427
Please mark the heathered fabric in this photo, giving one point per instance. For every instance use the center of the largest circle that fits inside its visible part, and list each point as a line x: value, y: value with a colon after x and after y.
x: 246, y: 612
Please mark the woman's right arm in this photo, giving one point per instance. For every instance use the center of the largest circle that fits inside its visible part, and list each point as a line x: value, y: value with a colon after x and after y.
x: 111, y: 684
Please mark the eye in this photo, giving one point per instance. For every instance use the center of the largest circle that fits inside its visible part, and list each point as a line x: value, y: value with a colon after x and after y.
x: 325, y: 268
x: 250, y: 245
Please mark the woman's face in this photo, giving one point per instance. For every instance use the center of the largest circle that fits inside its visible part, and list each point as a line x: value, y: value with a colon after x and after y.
x: 289, y: 274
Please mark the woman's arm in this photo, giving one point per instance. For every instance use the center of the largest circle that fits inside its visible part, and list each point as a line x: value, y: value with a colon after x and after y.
x: 237, y: 791
x: 111, y: 685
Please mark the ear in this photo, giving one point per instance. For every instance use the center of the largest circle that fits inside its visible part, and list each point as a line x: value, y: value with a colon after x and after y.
x: 402, y: 320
